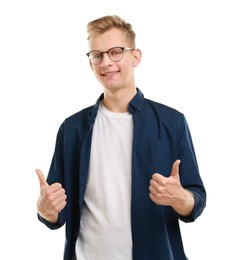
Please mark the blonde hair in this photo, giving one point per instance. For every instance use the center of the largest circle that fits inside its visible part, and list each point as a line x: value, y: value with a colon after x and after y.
x: 105, y: 23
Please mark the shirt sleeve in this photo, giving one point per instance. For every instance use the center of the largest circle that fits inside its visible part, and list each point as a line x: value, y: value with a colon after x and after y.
x: 189, y: 170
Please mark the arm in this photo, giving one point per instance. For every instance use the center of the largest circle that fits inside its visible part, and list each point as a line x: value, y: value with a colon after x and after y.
x: 184, y: 186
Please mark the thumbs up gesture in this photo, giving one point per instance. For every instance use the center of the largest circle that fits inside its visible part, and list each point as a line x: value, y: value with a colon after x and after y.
x: 168, y: 191
x: 52, y: 199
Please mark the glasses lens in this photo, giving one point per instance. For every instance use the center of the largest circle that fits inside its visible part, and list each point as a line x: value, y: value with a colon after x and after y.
x: 95, y: 57
x: 115, y: 54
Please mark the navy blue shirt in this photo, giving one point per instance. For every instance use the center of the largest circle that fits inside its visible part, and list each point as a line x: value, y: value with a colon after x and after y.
x: 161, y: 135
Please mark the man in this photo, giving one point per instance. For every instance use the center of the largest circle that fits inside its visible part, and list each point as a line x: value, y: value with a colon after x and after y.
x: 124, y: 171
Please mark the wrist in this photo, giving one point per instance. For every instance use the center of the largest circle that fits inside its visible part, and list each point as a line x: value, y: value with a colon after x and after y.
x: 185, y: 205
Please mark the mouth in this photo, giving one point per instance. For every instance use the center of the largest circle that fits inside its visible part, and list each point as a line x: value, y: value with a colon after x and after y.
x: 109, y: 74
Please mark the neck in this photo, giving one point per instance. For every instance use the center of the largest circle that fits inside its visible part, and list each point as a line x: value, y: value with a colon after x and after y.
x: 118, y: 101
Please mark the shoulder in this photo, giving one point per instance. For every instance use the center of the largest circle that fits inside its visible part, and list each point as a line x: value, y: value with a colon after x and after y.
x: 78, y: 119
x: 80, y: 114
x: 162, y: 109
x: 169, y: 117
x: 86, y: 114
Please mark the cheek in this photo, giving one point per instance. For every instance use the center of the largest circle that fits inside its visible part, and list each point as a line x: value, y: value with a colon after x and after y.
x: 126, y: 66
x: 129, y: 71
x: 95, y: 71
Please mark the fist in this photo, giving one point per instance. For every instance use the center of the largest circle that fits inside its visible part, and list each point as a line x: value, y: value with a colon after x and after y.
x: 52, y: 198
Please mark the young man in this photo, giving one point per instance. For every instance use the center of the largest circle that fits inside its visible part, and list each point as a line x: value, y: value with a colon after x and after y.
x: 124, y: 171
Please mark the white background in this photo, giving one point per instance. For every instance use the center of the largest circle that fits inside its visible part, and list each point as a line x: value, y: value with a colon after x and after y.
x: 192, y: 60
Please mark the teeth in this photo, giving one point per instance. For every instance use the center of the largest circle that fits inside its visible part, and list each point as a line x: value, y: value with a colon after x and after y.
x: 110, y: 73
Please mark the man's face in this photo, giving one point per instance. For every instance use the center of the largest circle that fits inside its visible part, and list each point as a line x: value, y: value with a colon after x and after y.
x: 114, y: 75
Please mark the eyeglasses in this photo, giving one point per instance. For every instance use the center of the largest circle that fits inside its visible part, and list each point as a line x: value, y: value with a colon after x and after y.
x: 114, y: 54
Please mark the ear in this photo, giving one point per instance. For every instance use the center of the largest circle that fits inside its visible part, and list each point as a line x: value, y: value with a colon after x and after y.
x: 137, y: 55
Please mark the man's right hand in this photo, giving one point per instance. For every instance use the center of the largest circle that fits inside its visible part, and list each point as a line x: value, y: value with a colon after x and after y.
x: 52, y: 199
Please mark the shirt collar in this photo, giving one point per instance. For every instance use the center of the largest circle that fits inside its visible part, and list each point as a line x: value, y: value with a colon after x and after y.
x: 135, y: 104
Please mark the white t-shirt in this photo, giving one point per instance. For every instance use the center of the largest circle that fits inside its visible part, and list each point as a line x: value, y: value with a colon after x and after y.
x: 105, y: 228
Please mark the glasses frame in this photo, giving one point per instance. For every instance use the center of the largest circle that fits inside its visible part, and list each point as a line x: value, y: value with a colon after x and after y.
x: 102, y: 52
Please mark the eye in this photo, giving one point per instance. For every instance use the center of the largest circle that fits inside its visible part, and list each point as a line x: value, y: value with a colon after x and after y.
x: 115, y: 51
x: 96, y: 55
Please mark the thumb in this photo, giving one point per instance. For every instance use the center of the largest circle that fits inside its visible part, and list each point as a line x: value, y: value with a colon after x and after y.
x: 41, y: 177
x: 175, y: 169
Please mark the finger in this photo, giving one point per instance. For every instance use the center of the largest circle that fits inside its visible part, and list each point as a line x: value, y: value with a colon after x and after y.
x: 175, y: 168
x: 58, y: 203
x: 41, y: 177
x: 158, y: 178
x: 153, y: 190
x: 61, y: 206
x: 154, y: 199
x: 57, y: 189
x: 155, y: 184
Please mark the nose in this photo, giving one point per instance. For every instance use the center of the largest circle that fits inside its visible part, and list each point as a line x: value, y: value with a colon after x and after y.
x: 106, y: 61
